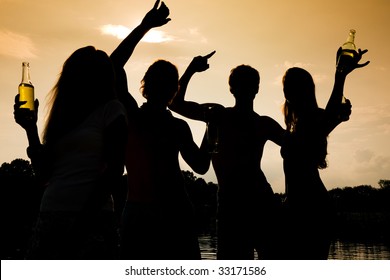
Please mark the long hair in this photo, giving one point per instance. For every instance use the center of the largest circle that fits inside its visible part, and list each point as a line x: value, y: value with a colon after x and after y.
x: 86, y: 82
x: 160, y: 82
x: 301, y: 112
x: 299, y: 91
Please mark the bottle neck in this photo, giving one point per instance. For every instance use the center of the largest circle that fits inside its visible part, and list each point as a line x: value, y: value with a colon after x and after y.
x: 350, y: 43
x: 26, y: 73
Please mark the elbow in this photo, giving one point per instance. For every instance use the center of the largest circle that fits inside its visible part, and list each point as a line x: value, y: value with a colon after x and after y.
x: 201, y: 171
x: 203, y: 168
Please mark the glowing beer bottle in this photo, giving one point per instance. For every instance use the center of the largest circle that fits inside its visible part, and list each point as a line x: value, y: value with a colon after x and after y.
x: 346, y: 57
x: 26, y: 88
x: 348, y: 51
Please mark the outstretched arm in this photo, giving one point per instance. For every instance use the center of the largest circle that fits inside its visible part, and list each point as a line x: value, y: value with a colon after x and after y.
x: 335, y: 108
x: 190, y: 109
x: 157, y: 16
x: 276, y: 133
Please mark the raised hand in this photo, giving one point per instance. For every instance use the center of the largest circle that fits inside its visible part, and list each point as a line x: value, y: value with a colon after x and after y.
x: 353, y: 62
x: 157, y: 16
x: 24, y: 116
x: 200, y: 63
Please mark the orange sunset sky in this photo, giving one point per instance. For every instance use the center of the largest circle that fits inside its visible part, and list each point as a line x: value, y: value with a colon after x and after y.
x: 269, y: 35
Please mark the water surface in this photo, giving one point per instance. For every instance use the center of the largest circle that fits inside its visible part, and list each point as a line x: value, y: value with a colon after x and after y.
x: 339, y: 250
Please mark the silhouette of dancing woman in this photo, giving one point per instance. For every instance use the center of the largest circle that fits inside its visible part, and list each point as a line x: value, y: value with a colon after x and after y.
x: 158, y: 220
x: 81, y: 160
x: 304, y: 152
x: 246, y: 202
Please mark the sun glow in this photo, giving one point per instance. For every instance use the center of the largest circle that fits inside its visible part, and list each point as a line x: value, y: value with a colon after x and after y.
x: 155, y: 36
x: 121, y: 32
x: 118, y: 31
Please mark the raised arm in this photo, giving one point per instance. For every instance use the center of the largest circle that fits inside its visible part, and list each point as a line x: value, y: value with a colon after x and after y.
x: 190, y: 109
x: 28, y: 121
x: 336, y: 110
x: 157, y: 16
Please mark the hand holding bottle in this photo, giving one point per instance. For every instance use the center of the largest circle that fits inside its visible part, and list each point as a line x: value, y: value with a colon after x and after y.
x: 25, y: 117
x: 347, y: 67
x: 157, y: 16
x: 347, y: 58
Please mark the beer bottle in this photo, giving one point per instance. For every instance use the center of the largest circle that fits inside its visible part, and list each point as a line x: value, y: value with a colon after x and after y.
x: 26, y: 88
x: 212, y: 132
x: 348, y: 51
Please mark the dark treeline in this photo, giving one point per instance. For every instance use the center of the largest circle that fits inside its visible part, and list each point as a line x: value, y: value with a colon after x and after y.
x: 362, y: 212
x: 20, y: 200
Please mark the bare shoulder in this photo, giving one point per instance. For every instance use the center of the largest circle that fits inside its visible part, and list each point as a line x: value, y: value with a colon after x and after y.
x: 180, y: 124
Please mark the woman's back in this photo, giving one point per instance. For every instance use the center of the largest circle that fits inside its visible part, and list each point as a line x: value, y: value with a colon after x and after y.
x: 303, y: 153
x: 78, y: 161
x: 152, y: 160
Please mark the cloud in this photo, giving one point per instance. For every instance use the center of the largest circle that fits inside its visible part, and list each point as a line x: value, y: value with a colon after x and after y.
x: 364, y: 155
x: 189, y: 35
x: 155, y: 36
x: 194, y: 32
x: 121, y: 32
x: 16, y: 45
x: 369, y: 162
x: 288, y: 64
x: 370, y: 122
x: 318, y: 78
x: 118, y: 31
x: 379, y: 113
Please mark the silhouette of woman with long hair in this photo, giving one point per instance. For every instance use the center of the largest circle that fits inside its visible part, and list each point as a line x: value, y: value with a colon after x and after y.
x: 81, y: 160
x: 158, y: 220
x: 304, y: 152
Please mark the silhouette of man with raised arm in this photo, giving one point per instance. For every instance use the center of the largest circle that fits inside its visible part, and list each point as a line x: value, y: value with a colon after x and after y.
x: 246, y: 202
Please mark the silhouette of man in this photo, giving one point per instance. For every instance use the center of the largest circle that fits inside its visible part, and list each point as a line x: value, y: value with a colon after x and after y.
x: 246, y: 202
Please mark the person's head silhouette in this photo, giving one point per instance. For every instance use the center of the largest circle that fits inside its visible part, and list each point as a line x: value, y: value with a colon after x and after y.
x: 301, y: 107
x: 160, y: 83
x: 87, y: 76
x: 244, y: 82
x: 87, y: 81
x: 299, y: 91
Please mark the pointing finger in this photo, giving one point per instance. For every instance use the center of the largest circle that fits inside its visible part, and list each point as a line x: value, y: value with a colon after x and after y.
x: 209, y: 55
